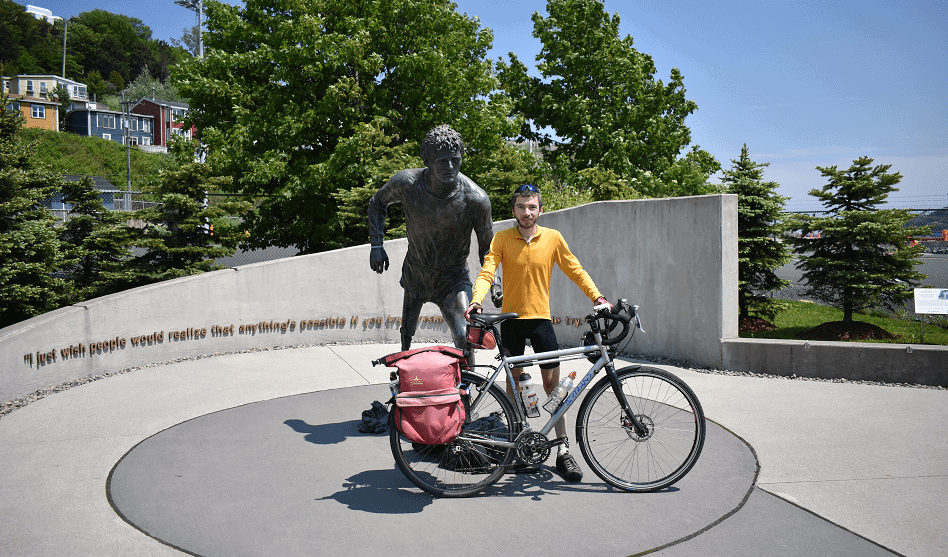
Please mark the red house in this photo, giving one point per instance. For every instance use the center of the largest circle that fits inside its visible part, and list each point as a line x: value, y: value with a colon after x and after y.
x: 168, y: 117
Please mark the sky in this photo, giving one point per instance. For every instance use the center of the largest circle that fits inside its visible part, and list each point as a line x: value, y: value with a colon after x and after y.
x: 802, y: 84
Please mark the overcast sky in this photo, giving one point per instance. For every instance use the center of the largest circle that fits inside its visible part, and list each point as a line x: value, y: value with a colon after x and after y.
x: 803, y: 84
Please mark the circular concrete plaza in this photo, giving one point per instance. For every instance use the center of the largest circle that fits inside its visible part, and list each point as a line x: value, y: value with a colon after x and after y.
x: 293, y: 476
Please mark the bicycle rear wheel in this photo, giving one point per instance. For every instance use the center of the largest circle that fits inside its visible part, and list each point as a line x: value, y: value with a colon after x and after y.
x: 463, y: 467
x: 669, y: 410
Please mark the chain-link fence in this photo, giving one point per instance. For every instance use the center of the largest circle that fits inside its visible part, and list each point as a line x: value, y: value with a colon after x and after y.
x: 934, y: 263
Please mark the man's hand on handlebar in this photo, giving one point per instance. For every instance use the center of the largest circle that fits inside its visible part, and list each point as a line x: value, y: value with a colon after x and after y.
x: 602, y: 303
x: 473, y: 308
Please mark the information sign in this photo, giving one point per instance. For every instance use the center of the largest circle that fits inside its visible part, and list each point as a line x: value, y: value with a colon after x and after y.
x: 931, y: 300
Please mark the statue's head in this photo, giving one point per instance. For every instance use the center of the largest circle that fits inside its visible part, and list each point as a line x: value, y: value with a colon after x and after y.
x: 441, y: 137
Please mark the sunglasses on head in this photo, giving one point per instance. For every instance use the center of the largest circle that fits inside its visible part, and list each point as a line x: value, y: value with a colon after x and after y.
x: 527, y: 188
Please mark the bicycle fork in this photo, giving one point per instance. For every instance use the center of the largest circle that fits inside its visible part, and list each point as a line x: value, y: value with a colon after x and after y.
x: 637, y: 425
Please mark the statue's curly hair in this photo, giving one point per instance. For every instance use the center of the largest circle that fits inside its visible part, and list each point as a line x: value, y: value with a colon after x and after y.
x: 440, y: 137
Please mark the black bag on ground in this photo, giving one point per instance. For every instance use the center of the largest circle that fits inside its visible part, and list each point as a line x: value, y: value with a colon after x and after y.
x: 375, y: 419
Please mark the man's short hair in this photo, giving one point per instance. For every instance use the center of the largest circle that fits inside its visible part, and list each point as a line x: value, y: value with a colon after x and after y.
x: 526, y: 190
x: 440, y: 137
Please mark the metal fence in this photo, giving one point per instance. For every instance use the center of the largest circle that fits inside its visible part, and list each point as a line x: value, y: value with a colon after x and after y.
x: 933, y: 263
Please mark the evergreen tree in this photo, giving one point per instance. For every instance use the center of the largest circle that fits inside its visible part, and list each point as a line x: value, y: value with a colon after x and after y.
x: 758, y: 248
x: 859, y: 255
x: 183, y: 234
x: 29, y: 249
x: 96, y: 243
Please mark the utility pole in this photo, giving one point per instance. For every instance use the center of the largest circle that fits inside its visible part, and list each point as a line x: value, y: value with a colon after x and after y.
x: 128, y: 152
x: 198, y: 7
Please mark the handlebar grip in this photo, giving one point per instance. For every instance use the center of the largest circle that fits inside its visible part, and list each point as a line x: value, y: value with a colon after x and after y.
x: 615, y: 315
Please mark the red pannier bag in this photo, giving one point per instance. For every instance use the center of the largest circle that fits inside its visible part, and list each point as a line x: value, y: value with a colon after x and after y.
x: 428, y: 407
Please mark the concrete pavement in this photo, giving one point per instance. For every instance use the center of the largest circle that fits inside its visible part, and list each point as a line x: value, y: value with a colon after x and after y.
x: 850, y: 469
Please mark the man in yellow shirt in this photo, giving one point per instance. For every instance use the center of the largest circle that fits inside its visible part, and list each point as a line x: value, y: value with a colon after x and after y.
x: 527, y: 253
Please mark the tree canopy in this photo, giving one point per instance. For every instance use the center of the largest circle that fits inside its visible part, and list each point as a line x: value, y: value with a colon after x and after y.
x: 103, y: 50
x: 300, y: 100
x: 597, y: 102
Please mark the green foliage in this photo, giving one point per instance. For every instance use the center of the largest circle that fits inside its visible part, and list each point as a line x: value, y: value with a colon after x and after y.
x: 149, y: 86
x: 861, y: 257
x: 66, y: 153
x: 96, y: 242
x: 103, y: 50
x: 286, y: 84
x: 28, y: 45
x: 759, y: 251
x: 29, y: 248
x: 177, y: 236
x: 599, y: 95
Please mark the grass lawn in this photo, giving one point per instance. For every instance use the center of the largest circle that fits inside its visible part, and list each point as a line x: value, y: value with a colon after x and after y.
x: 796, y: 321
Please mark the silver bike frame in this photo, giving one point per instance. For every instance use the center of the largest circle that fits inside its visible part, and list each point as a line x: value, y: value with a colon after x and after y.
x: 562, y: 355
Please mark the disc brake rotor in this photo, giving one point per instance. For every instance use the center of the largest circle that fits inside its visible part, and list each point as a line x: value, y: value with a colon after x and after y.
x: 630, y: 429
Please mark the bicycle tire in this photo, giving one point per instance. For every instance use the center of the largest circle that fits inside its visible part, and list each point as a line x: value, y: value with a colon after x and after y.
x: 670, y: 410
x: 447, y: 470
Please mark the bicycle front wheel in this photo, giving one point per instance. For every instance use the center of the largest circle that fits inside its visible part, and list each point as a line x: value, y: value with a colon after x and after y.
x: 463, y: 467
x: 668, y: 409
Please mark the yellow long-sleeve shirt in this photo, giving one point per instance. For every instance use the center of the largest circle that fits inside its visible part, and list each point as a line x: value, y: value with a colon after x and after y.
x: 528, y: 269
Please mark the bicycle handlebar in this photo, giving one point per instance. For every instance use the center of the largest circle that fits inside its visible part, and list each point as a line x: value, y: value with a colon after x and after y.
x: 616, y: 316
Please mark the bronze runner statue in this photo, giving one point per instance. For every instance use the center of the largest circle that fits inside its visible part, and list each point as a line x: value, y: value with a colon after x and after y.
x: 442, y: 207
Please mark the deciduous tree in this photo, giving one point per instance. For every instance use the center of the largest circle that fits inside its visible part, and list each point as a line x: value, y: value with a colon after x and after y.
x: 597, y: 100
x: 287, y: 88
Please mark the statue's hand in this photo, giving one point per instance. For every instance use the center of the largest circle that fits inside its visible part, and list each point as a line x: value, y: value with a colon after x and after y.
x: 378, y: 259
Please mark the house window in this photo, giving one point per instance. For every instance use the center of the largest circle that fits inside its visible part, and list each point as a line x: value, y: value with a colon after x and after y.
x: 107, y: 136
x: 38, y: 111
x: 133, y: 140
x: 146, y: 141
x: 42, y: 87
x: 177, y: 114
x: 144, y: 125
x: 107, y: 121
x: 135, y: 124
x: 13, y: 107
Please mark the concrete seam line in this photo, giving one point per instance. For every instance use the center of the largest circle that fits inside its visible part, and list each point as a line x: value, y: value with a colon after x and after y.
x: 727, y: 515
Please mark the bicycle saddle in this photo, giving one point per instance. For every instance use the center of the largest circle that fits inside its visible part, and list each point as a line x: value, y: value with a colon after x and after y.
x: 491, y: 319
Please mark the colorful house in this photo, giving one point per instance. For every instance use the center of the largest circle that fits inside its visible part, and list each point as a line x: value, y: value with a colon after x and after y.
x: 34, y: 97
x: 168, y: 117
x: 93, y: 121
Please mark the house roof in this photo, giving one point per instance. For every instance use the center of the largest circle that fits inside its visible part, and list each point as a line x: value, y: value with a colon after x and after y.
x: 99, y: 182
x: 161, y: 102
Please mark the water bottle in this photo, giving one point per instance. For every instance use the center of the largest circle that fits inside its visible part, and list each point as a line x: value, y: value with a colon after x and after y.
x: 393, y: 382
x: 559, y: 393
x: 528, y: 393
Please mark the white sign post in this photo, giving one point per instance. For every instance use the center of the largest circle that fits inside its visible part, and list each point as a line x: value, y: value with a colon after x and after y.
x: 931, y: 301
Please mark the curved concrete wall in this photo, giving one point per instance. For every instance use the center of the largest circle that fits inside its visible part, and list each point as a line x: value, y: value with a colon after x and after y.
x: 673, y: 257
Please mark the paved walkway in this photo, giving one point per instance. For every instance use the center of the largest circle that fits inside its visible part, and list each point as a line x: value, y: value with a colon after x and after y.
x: 257, y: 453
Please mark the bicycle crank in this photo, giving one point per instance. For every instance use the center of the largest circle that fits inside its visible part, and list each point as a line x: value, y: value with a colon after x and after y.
x: 630, y: 429
x: 533, y: 447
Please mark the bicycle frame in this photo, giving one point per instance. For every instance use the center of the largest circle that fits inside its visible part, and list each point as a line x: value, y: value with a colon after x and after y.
x: 561, y: 355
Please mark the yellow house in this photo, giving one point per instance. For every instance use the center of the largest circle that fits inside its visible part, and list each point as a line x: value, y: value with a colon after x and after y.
x: 32, y: 96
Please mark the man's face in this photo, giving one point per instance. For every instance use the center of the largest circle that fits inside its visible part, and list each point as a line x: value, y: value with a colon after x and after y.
x: 527, y: 210
x: 445, y: 163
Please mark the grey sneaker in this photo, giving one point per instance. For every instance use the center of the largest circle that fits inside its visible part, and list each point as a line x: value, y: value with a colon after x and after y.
x: 567, y: 467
